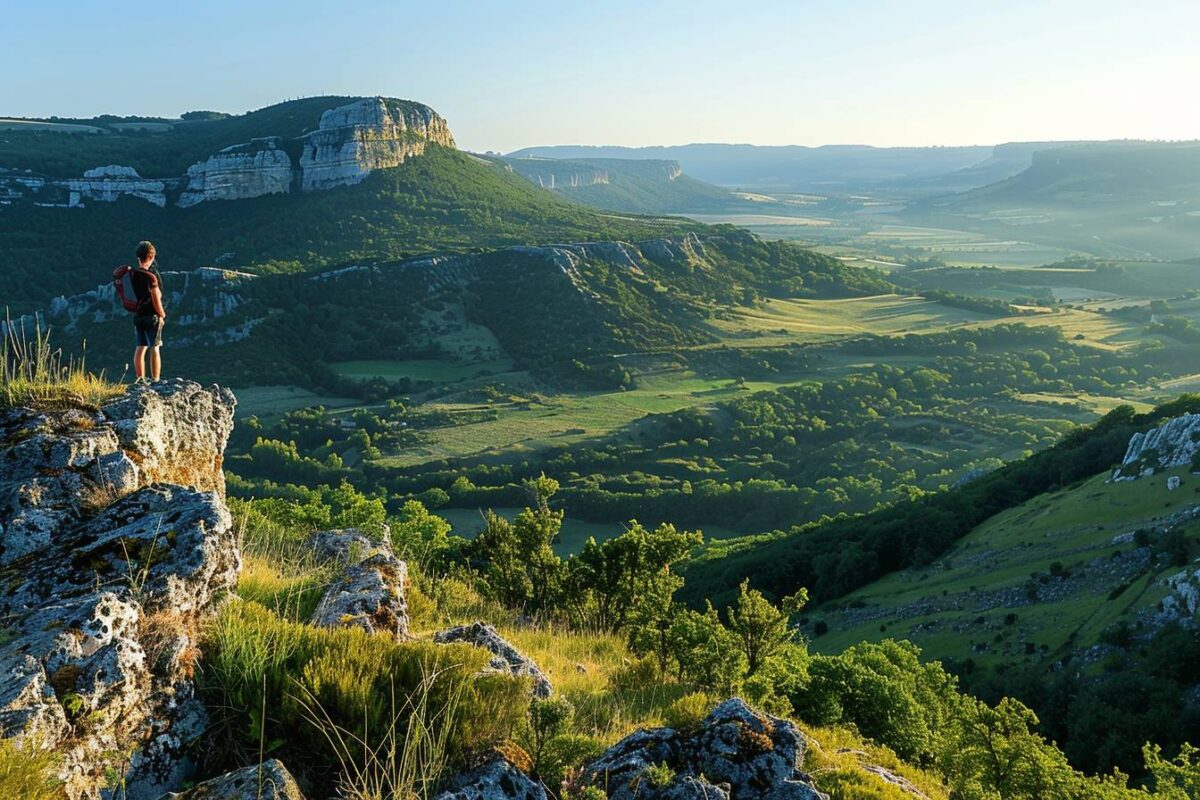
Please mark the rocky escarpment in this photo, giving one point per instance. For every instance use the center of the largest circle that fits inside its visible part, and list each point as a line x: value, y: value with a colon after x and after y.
x: 114, y: 543
x: 113, y: 182
x: 368, y: 134
x: 349, y: 142
x: 1172, y: 444
x: 241, y: 170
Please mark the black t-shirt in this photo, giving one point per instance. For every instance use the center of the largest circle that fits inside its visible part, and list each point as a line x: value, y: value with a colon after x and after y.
x: 141, y: 289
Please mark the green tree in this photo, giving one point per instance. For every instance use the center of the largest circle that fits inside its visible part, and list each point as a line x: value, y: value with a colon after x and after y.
x: 707, y: 654
x: 761, y: 627
x: 1178, y: 779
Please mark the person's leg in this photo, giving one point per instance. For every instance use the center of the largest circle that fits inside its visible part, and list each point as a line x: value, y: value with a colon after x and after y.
x: 155, y: 363
x: 139, y: 362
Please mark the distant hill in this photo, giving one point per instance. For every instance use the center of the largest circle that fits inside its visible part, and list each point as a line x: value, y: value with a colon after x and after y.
x: 793, y: 168
x: 640, y: 186
x: 1127, y: 198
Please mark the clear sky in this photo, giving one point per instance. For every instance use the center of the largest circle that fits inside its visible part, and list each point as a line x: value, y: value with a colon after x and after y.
x: 524, y: 72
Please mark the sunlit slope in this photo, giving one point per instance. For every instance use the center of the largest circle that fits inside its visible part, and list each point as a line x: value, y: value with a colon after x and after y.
x: 1033, y: 583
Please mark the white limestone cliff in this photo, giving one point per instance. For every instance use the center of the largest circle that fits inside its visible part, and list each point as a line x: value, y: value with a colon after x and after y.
x: 368, y: 134
x: 110, y: 182
x: 240, y: 171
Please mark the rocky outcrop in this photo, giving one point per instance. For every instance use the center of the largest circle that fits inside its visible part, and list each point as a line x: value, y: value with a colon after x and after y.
x: 368, y: 595
x: 108, y: 566
x: 240, y: 171
x: 736, y: 753
x: 57, y: 467
x: 346, y: 545
x: 368, y: 134
x: 267, y: 781
x: 498, y: 779
x: 1172, y: 444
x: 505, y: 657
x: 113, y: 182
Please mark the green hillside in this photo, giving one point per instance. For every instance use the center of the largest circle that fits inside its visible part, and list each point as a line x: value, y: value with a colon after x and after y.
x: 442, y: 200
x: 635, y: 186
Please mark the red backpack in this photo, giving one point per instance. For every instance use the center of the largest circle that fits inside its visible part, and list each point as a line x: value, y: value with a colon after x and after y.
x: 123, y: 281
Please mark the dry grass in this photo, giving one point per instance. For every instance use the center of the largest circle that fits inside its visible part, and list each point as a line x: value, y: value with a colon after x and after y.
x: 33, y: 373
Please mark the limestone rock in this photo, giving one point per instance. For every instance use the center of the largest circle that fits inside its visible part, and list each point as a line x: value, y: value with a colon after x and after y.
x: 347, y: 545
x: 56, y: 467
x: 268, y: 781
x: 368, y: 595
x: 1173, y: 483
x: 367, y: 134
x: 736, y: 752
x: 106, y: 577
x: 240, y: 171
x: 505, y: 657
x: 1172, y: 444
x: 175, y: 431
x: 110, y: 183
x: 498, y: 779
x: 89, y: 618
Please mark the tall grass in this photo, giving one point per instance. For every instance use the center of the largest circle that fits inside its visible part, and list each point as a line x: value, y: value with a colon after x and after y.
x: 409, y: 757
x: 333, y: 698
x: 35, y: 373
x: 27, y: 772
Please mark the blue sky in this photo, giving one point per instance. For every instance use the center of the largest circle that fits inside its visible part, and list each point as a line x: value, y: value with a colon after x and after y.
x: 517, y: 73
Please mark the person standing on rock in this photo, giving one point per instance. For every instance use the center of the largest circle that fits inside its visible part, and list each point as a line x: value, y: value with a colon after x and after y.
x: 149, y: 319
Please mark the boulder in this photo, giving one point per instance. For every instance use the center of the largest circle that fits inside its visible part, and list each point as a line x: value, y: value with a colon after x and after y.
x: 736, y: 753
x: 267, y: 781
x: 498, y: 779
x: 347, y: 545
x: 58, y: 467
x: 107, y: 577
x: 505, y: 657
x: 368, y: 595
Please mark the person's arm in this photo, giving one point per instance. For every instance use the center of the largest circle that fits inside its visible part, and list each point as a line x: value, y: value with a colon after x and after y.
x: 156, y: 299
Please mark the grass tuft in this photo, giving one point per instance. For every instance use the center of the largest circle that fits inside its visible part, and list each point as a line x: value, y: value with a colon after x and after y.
x: 34, y: 373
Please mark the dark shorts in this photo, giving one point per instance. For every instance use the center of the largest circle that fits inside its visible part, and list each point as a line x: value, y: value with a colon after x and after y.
x: 148, y: 331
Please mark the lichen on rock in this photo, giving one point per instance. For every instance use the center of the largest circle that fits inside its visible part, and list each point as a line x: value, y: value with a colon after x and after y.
x: 107, y: 574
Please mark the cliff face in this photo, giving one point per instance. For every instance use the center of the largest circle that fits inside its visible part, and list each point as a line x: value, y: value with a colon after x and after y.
x: 240, y: 171
x: 372, y: 133
x: 114, y: 543
x: 350, y: 142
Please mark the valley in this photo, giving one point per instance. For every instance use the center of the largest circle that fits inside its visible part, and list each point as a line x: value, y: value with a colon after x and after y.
x: 612, y: 400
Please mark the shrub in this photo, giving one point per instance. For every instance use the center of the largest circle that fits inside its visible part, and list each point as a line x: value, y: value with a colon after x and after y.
x: 289, y: 684
x: 548, y: 718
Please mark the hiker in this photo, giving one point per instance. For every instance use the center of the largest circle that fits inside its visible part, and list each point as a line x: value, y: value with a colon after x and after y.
x: 149, y: 318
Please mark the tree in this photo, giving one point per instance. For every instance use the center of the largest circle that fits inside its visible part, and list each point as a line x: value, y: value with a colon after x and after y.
x: 608, y: 579
x: 1178, y: 779
x: 761, y: 627
x: 707, y: 654
x: 995, y: 752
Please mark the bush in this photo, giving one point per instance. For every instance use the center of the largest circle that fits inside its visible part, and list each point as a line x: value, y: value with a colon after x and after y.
x: 288, y: 684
